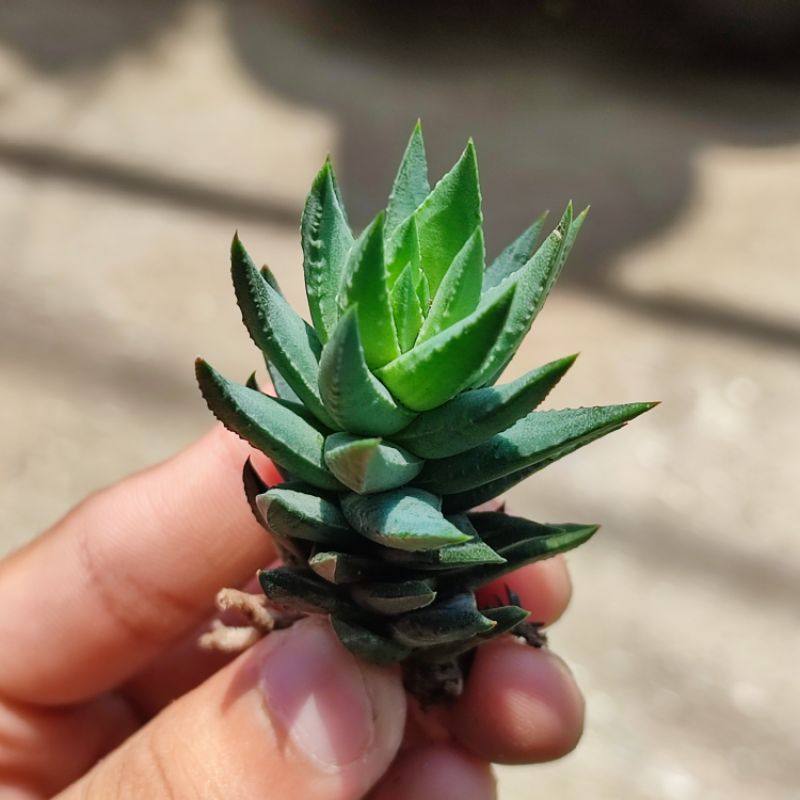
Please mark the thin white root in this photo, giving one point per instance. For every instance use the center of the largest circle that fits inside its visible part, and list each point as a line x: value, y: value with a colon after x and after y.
x: 254, y: 611
x: 228, y: 639
x: 253, y: 607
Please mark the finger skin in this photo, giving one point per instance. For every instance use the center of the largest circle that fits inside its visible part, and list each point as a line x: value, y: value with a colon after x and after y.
x: 43, y: 749
x: 520, y: 705
x: 437, y: 771
x: 127, y: 573
x: 296, y: 716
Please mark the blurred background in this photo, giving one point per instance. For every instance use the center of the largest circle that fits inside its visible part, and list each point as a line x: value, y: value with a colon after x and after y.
x: 134, y: 139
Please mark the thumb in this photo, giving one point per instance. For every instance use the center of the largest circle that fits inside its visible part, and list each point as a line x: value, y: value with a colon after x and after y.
x: 295, y: 716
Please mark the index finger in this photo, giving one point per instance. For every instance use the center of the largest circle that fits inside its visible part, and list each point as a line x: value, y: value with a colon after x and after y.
x: 127, y: 573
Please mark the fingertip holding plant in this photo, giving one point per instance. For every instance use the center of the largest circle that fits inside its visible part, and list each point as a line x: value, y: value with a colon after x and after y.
x: 389, y: 426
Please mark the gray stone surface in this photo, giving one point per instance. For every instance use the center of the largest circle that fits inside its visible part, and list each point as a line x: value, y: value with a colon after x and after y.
x: 134, y: 138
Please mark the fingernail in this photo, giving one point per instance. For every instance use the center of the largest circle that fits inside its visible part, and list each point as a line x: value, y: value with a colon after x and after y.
x: 314, y: 689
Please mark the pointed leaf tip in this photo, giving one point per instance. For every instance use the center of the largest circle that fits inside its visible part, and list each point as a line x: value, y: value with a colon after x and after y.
x: 326, y: 240
x: 369, y: 465
x: 448, y: 216
x: 534, y: 442
x: 281, y: 334
x: 411, y: 185
x: 515, y: 256
x: 533, y: 281
x: 366, y: 285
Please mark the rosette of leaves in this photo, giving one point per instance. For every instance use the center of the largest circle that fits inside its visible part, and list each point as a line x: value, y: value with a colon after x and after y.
x: 389, y: 424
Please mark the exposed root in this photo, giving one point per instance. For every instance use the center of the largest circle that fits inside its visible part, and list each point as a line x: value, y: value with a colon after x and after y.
x: 434, y: 682
x: 228, y: 638
x: 252, y: 609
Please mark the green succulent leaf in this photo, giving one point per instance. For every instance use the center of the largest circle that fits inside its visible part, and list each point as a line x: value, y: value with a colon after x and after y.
x: 460, y: 290
x: 283, y: 395
x: 369, y: 465
x: 340, y: 568
x: 270, y: 427
x: 448, y: 216
x: 326, y: 240
x: 299, y: 590
x: 406, y: 309
x: 474, y: 416
x: 424, y: 293
x: 411, y: 185
x: 269, y: 276
x: 515, y: 256
x: 391, y: 598
x: 338, y: 192
x: 353, y: 396
x: 533, y: 282
x: 446, y: 621
x: 506, y: 618
x: 405, y: 519
x: 281, y: 385
x: 365, y: 286
x: 401, y: 250
x: 463, y: 523
x: 369, y: 645
x: 290, y: 551
x: 472, y: 498
x: 468, y: 553
x: 540, y: 436
x: 503, y: 530
x: 434, y: 371
x: 287, y: 341
x: 535, y: 542
x: 253, y: 486
x: 252, y: 383
x: 302, y: 515
x: 453, y: 556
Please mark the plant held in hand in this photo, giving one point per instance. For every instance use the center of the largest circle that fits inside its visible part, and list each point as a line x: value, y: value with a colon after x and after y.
x: 389, y: 424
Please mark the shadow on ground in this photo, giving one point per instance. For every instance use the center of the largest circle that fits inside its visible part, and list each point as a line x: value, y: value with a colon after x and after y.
x: 563, y: 101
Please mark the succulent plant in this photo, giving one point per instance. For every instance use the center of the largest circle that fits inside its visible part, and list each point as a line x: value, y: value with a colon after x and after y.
x: 388, y: 425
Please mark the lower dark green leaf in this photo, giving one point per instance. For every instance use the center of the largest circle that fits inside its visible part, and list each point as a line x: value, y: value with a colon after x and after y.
x: 298, y: 590
x: 506, y: 618
x: 557, y: 539
x: 292, y: 553
x: 446, y: 621
x: 341, y: 568
x: 393, y: 597
x: 367, y: 644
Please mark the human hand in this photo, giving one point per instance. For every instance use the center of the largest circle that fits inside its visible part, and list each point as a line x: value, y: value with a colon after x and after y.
x: 104, y: 693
